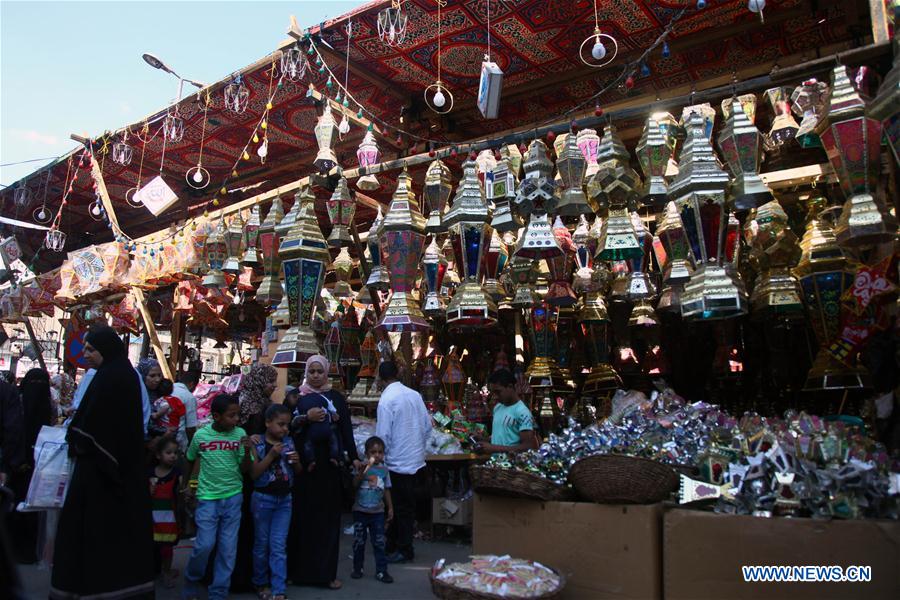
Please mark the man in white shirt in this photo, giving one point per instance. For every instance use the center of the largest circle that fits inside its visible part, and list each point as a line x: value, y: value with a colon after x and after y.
x: 184, y: 391
x: 404, y: 425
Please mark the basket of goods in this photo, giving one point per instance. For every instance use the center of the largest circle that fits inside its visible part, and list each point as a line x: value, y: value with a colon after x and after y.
x: 515, y: 483
x: 620, y: 479
x: 493, y: 577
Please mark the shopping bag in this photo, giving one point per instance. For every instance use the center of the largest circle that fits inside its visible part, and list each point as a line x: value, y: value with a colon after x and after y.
x: 52, y: 471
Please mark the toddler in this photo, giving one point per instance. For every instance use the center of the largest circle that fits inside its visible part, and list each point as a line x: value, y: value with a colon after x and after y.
x: 372, y: 496
x: 165, y: 480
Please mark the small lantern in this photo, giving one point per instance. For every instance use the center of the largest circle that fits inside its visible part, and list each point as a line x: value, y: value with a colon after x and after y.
x: 809, y: 102
x: 589, y: 143
x: 560, y: 292
x: 602, y: 380
x: 784, y: 127
x: 350, y: 360
x: 341, y: 208
x: 216, y: 252
x: 454, y: 382
x: 852, y: 141
x: 485, y: 161
x: 284, y: 227
x: 774, y: 249
x: 281, y: 317
x: 251, y: 238
x: 654, y: 151
x: 430, y: 385
x: 269, y: 292
x: 333, y: 346
x: 435, y: 267
x: 615, y: 182
x: 368, y: 154
x: 495, y: 260
x: 326, y: 131
x: 572, y: 165
x: 707, y: 116
x: 343, y: 267
x: 500, y: 187
x: 438, y: 186
x: 640, y: 286
x: 543, y: 371
x: 678, y: 262
x: 234, y: 239
x: 369, y: 355
x: 739, y: 142
x: 536, y: 197
x: 379, y: 277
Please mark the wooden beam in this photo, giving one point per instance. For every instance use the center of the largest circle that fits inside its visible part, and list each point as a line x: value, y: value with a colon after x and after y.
x: 878, y: 12
x: 150, y: 328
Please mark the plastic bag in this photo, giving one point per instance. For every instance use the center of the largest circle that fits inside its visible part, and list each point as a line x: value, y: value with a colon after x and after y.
x: 52, y: 471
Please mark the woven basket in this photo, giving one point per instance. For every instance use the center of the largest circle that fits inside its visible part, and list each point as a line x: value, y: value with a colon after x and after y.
x: 516, y: 484
x: 450, y: 592
x: 617, y: 479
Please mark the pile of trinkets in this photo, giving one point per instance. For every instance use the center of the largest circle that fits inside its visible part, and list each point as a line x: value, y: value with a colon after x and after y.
x: 499, y: 575
x: 802, y: 465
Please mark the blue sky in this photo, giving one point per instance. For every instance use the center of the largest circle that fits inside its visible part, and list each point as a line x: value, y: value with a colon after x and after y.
x: 76, y: 67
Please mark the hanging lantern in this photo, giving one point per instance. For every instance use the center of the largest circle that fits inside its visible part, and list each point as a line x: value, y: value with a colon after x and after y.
x: 284, y: 227
x: 55, y: 240
x: 281, y: 317
x: 216, y: 252
x: 654, y: 152
x: 470, y: 234
x: 886, y: 105
x: 825, y: 272
x: 237, y: 96
x: 402, y: 239
x: 853, y: 144
x: 495, y: 259
x: 368, y: 355
x: 641, y: 288
x: 500, y: 189
x: 391, y: 24
x: 614, y: 186
x: 584, y: 258
x: 809, y: 103
x: 485, y: 161
x: 454, y: 382
x: 350, y: 360
x: 304, y: 257
x: 294, y: 63
x: 438, y: 186
x: 379, y: 277
x: 234, y: 239
x: 430, y: 385
x: 678, y: 262
x: 326, y: 131
x: 589, y: 143
x: 739, y: 142
x: 714, y: 291
x: 536, y: 197
x: 560, y: 267
x: 601, y: 380
x: 572, y: 165
x: 343, y: 268
x: 707, y: 116
x: 523, y: 272
x: 368, y: 154
x: 333, y: 345
x: 774, y: 249
x: 122, y: 152
x: 513, y: 156
x: 434, y: 266
x: 269, y: 292
x: 543, y: 371
x: 173, y: 127
x: 341, y: 208
x: 251, y: 238
x: 784, y: 127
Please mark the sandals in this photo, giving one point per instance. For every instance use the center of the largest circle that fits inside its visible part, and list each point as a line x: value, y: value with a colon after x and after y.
x: 335, y: 585
x: 263, y: 593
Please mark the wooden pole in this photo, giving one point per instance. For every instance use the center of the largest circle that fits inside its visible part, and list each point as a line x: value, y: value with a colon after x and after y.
x: 150, y: 328
x: 878, y: 11
x: 34, y: 342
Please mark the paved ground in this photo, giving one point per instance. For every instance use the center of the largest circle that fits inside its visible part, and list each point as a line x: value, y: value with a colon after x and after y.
x: 410, y: 580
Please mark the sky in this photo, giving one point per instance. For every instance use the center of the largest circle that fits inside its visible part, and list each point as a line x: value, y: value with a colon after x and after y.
x: 75, y: 67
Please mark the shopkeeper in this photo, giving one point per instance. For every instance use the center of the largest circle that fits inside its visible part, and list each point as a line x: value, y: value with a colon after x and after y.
x: 513, y: 425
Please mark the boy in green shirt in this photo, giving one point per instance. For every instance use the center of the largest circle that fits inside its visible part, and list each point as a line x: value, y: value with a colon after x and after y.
x: 220, y: 453
x: 513, y: 425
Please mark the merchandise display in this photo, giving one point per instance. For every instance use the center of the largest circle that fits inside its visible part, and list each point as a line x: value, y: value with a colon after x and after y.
x: 502, y: 576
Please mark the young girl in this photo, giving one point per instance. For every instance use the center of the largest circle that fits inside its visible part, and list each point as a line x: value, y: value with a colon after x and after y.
x: 165, y: 481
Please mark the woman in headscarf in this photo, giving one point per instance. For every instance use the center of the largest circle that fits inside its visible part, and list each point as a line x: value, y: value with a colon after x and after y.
x: 104, y: 543
x: 315, y: 534
x: 255, y: 396
x: 152, y: 374
x: 37, y: 412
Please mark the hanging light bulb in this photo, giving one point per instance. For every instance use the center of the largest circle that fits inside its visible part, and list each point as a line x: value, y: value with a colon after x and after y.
x: 599, y: 50
x: 757, y: 6
x: 666, y: 53
x: 645, y: 70
x: 439, y: 99
x: 701, y: 4
x: 263, y: 150
x: 198, y: 176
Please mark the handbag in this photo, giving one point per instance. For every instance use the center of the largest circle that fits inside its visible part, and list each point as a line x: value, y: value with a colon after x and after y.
x: 52, y: 471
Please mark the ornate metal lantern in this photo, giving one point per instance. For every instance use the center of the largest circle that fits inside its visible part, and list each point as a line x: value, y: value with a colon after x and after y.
x: 269, y: 291
x: 333, y: 345
x: 679, y: 262
x: 524, y: 275
x: 434, y: 266
x: 392, y: 24
x: 341, y: 208
x: 886, y: 105
x: 251, y: 238
x: 809, y: 102
x: 234, y: 239
x: 589, y: 143
x: 495, y: 259
x: 739, y: 142
x: 773, y: 250
x: 402, y: 240
x: 714, y: 291
x: 368, y: 154
x: 543, y: 371
x: 536, y: 197
x: 470, y: 234
x: 602, y: 379
x: 304, y: 258
x: 350, y: 360
x: 784, y: 127
x: 326, y: 131
x: 500, y: 187
x: 216, y: 252
x: 615, y: 183
x: 438, y: 186
x: 654, y: 151
x: 641, y: 289
x: 343, y: 267
x: 560, y: 292
x: 571, y: 165
x: 454, y: 382
x: 379, y: 277
x: 852, y: 141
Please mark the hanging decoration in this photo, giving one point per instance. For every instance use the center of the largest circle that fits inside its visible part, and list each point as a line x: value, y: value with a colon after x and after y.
x: 294, y: 63
x: 122, y: 151
x: 173, y: 126
x: 368, y: 154
x: 434, y: 266
x: 379, y: 278
x: 144, y: 137
x: 237, y: 95
x: 437, y: 96
x: 536, y: 197
x: 491, y: 81
x: 198, y: 177
x: 341, y: 208
x: 344, y: 125
x: 809, y: 103
x: 740, y: 143
x: 392, y: 24
x: 600, y: 55
x: 22, y: 197
x: 269, y: 293
x: 325, y: 132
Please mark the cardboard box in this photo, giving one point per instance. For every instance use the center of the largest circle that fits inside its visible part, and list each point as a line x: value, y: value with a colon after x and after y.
x: 605, y: 551
x: 445, y: 511
x: 704, y: 552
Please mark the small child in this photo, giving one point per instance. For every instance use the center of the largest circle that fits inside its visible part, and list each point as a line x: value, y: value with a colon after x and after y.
x: 321, y: 431
x: 373, y: 495
x: 220, y: 454
x: 165, y: 480
x: 167, y: 411
x: 273, y: 470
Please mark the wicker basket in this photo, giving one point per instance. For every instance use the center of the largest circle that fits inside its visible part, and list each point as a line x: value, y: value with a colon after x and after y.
x: 617, y: 479
x: 450, y: 592
x: 516, y: 484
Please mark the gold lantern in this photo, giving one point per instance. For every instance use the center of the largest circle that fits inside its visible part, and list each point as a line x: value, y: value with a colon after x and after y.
x: 269, y: 292
x: 500, y: 188
x: 654, y: 151
x: 739, y: 142
x: 536, y: 197
x: 438, y: 186
x: 379, y: 277
x: 571, y: 166
x: 434, y: 267
x: 678, y: 263
x: 251, y: 239
x: 326, y: 131
x: 216, y: 252
x: 234, y: 239
x: 341, y: 208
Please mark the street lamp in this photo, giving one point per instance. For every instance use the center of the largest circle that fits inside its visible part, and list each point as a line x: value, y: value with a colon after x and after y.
x: 156, y: 63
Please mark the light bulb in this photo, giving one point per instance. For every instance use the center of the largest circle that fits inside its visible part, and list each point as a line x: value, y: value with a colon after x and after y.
x: 344, y: 126
x: 198, y: 176
x: 263, y: 150
x: 42, y: 214
x: 599, y: 50
x: 95, y: 209
x: 756, y: 6
x: 439, y: 99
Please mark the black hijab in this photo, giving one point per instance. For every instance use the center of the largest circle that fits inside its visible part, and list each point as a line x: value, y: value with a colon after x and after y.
x: 107, y: 342
x: 36, y: 404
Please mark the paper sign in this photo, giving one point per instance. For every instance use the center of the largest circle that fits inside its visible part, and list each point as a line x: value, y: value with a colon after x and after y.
x: 156, y: 196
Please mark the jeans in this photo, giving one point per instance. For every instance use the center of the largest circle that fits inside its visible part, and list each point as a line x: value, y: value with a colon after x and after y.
x: 218, y: 522
x: 374, y: 524
x: 271, y: 520
x: 403, y: 494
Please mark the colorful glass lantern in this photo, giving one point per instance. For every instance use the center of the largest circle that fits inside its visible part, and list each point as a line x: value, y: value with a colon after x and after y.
x: 500, y: 188
x: 368, y: 352
x: 304, y: 258
x: 707, y: 116
x: 524, y: 275
x: 216, y: 253
x: 739, y: 142
x: 536, y: 197
x: 640, y: 285
x: 234, y: 239
x: 560, y: 267
x: 343, y: 267
x: 379, y: 277
x: 584, y: 258
x: 326, y: 132
x: 571, y: 166
x: 852, y: 141
x: 774, y: 249
x: 654, y: 151
x: 454, y: 382
x: 269, y: 292
x: 438, y: 186
x: 350, y: 360
x: 784, y: 127
x: 470, y: 235
x: 341, y: 208
x: 543, y: 371
x: 615, y: 183
x: 678, y: 264
x: 251, y: 238
x: 825, y: 272
x: 714, y: 291
x: 430, y: 384
x: 402, y: 239
x: 886, y: 105
x: 333, y: 345
x: 434, y: 266
x: 368, y: 154
x: 809, y: 103
x: 589, y: 143
x: 495, y: 259
x: 511, y: 154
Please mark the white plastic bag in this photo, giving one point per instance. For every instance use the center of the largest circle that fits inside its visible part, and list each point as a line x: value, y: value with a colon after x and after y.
x: 52, y: 471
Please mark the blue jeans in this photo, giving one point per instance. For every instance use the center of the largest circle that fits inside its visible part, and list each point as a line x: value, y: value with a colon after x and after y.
x: 271, y: 520
x: 374, y: 524
x: 218, y: 522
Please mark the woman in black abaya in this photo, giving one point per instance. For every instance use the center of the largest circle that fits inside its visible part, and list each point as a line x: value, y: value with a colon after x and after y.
x: 104, y: 543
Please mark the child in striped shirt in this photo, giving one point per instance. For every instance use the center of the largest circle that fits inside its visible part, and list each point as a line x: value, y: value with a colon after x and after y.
x: 165, y: 481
